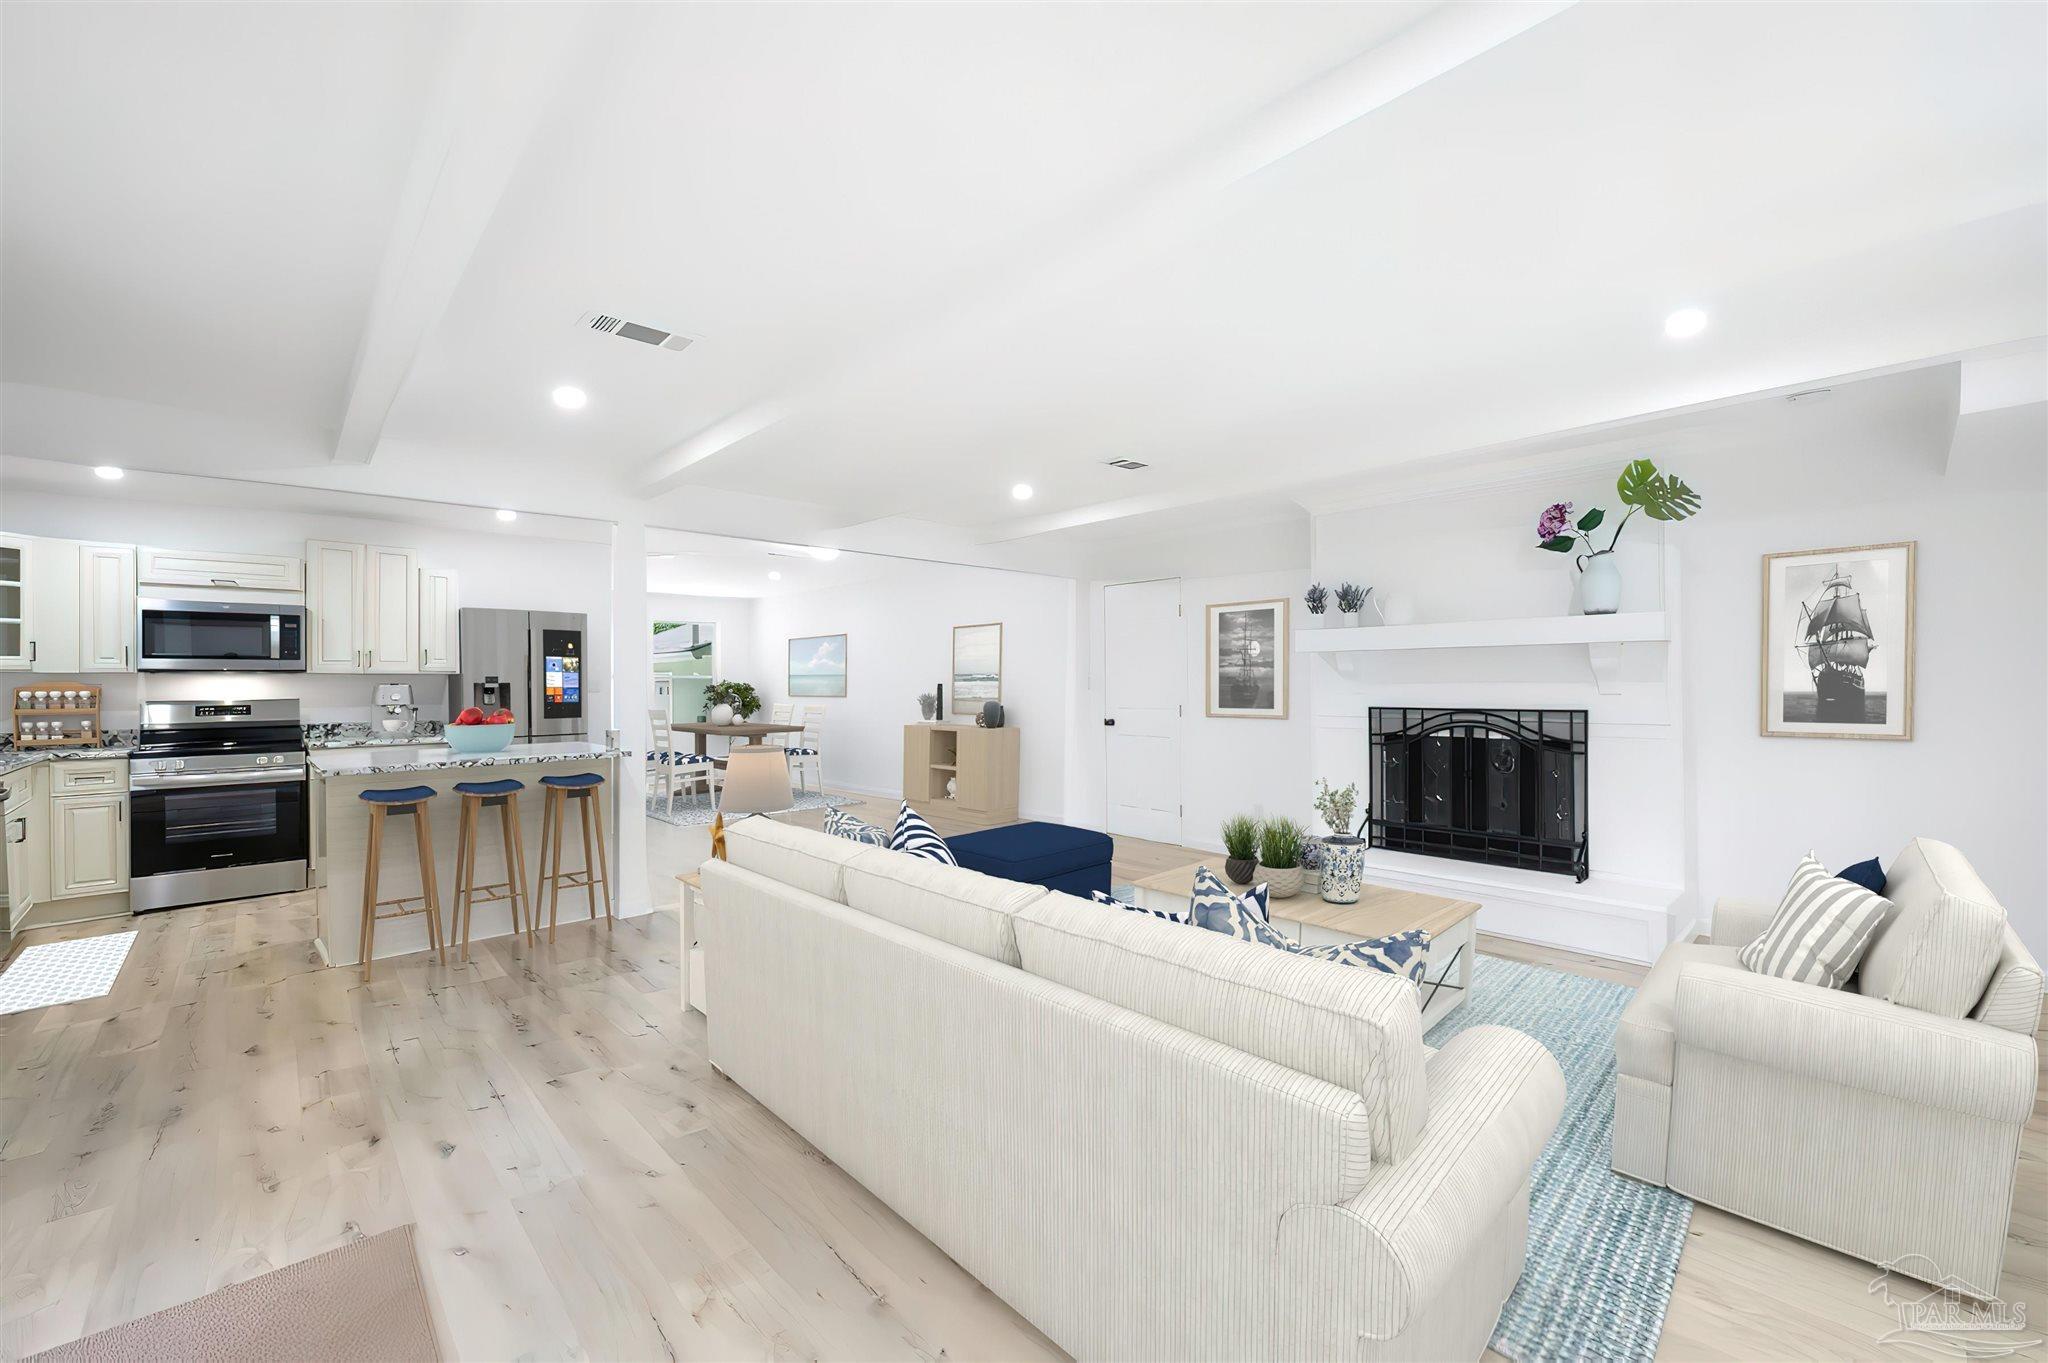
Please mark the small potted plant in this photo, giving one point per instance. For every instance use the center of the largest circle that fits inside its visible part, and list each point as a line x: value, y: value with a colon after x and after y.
x: 1660, y: 496
x: 1280, y: 857
x: 725, y: 702
x: 1317, y: 599
x: 1343, y: 856
x: 1241, y: 847
x: 1351, y: 600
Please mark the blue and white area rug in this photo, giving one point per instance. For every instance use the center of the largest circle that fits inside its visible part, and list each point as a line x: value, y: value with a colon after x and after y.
x: 1603, y: 1249
x: 694, y: 811
x: 64, y: 972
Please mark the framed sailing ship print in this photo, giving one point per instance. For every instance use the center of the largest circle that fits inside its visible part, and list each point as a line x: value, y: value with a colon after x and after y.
x: 1838, y: 643
x: 1247, y: 660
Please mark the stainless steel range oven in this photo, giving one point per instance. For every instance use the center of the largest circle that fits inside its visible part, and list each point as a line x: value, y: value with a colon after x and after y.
x: 219, y: 636
x: 217, y: 802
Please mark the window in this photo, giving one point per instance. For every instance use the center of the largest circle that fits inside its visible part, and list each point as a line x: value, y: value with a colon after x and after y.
x: 685, y: 662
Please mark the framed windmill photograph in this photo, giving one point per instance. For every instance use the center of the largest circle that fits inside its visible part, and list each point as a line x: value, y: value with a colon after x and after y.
x: 1838, y: 643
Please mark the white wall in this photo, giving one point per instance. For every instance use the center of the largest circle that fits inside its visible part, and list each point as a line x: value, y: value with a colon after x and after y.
x: 1684, y: 789
x: 899, y: 630
x: 509, y: 570
x: 1227, y: 766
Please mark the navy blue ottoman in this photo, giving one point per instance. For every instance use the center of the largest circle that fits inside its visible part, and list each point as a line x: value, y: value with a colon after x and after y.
x: 1050, y: 854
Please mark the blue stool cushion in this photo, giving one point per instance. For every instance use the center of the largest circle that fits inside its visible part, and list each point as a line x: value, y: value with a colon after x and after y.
x: 504, y: 787
x: 574, y: 780
x: 1075, y: 860
x: 407, y: 795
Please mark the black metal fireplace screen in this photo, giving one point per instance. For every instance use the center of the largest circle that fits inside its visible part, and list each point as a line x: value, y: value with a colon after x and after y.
x: 1503, y: 787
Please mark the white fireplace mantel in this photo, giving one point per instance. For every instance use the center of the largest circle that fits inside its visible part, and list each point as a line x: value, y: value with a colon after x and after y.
x: 1603, y: 636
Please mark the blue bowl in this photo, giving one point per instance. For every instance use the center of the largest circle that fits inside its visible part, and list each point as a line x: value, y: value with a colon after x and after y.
x: 478, y: 739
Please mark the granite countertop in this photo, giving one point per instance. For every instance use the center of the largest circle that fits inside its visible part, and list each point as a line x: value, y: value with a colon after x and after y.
x: 14, y: 759
x: 380, y: 759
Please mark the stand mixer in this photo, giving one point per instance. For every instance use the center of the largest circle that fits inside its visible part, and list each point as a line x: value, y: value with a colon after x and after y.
x: 397, y: 712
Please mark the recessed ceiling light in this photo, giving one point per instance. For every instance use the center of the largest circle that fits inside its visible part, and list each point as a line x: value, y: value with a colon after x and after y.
x: 570, y: 398
x: 1021, y: 492
x: 823, y: 554
x: 1684, y: 323
x: 774, y: 576
x: 506, y: 513
x: 110, y: 473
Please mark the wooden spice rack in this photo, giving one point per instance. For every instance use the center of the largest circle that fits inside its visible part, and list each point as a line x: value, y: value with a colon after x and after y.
x: 72, y: 720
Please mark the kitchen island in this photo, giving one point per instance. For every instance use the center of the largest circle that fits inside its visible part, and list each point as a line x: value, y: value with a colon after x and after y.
x: 341, y: 822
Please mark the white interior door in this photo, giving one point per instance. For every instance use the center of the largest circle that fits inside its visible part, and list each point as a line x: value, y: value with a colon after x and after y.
x: 1144, y: 680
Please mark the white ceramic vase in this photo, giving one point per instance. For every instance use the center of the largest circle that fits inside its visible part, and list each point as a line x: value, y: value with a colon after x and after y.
x: 721, y: 714
x: 1599, y: 583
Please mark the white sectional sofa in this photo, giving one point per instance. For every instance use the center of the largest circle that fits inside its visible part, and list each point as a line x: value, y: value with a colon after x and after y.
x: 1876, y: 1127
x: 1153, y: 1141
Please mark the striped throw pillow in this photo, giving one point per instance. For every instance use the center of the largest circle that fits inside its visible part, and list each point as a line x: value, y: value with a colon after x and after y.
x: 1103, y: 897
x: 1820, y: 930
x: 915, y: 836
x: 840, y: 824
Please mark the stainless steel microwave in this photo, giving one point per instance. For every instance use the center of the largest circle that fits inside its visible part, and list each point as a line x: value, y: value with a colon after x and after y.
x: 219, y: 636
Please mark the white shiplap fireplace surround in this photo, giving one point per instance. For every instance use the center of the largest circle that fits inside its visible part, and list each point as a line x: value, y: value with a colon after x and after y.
x: 1471, y: 626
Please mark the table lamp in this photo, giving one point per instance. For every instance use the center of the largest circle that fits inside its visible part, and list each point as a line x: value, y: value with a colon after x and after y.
x: 756, y: 782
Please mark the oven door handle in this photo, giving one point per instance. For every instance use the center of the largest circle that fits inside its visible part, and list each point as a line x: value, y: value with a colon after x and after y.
x: 191, y: 779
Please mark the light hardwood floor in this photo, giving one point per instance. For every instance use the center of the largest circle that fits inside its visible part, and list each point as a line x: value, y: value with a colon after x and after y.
x: 584, y: 1186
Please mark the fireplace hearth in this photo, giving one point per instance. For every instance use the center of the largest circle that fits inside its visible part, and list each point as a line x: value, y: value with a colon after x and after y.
x: 1502, y: 787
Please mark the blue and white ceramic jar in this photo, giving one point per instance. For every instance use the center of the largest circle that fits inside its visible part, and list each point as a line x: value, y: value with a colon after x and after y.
x: 1343, y: 869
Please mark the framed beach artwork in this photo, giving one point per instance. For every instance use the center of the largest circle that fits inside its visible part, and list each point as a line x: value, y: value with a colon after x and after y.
x: 1838, y: 643
x: 817, y: 665
x: 977, y: 667
x: 1247, y: 660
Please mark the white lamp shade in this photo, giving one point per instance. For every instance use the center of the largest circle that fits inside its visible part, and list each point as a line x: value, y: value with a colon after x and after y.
x: 756, y: 781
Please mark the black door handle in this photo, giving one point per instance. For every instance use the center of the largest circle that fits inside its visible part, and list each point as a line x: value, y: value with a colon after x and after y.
x: 1109, y: 723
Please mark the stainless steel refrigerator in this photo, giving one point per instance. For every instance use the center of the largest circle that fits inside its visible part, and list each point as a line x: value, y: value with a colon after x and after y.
x: 528, y: 662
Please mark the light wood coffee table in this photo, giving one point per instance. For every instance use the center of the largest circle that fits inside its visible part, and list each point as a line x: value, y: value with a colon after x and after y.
x: 1380, y: 911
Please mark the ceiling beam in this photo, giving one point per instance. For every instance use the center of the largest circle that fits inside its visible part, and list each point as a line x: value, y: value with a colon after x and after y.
x: 1124, y: 226
x: 506, y: 66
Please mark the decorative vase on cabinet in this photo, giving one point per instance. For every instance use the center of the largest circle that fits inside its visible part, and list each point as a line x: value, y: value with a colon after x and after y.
x: 1343, y: 869
x: 1599, y: 583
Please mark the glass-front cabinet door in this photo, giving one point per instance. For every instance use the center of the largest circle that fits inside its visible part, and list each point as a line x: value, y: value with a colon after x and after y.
x: 14, y: 603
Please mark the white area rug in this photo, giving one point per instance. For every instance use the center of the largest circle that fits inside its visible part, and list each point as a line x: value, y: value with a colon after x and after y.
x: 64, y: 972
x: 695, y: 810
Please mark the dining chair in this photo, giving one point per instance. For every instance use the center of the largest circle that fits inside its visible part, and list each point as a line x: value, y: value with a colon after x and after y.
x: 779, y: 713
x: 806, y: 750
x: 676, y: 767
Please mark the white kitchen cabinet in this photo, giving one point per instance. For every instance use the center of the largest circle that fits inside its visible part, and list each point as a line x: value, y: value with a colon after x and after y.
x: 391, y: 617
x: 337, y: 578
x: 88, y: 845
x: 27, y: 841
x: 17, y: 610
x: 364, y: 601
x: 106, y: 608
x: 440, y: 622
x: 205, y: 568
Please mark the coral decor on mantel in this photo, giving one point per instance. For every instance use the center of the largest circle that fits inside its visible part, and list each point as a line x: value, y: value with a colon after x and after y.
x: 1661, y: 496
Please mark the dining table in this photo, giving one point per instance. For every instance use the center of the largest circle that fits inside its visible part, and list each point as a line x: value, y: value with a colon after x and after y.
x: 752, y: 733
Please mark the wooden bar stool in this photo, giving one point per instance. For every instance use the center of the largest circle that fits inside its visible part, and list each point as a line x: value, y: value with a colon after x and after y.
x: 410, y: 800
x: 477, y: 796
x: 585, y: 788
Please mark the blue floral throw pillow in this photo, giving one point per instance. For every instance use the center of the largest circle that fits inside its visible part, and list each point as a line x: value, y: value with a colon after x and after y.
x: 1111, y: 901
x: 1218, y: 908
x: 920, y: 839
x: 843, y: 825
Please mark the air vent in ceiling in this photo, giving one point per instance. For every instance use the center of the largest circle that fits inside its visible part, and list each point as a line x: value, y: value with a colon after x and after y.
x: 635, y: 331
x: 1808, y: 395
x: 1130, y: 464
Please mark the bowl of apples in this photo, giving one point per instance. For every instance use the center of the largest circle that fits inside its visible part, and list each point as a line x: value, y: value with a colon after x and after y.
x: 474, y: 733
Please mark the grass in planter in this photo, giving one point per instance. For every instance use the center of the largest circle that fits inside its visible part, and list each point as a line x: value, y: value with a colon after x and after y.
x: 1280, y: 843
x: 1241, y: 837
